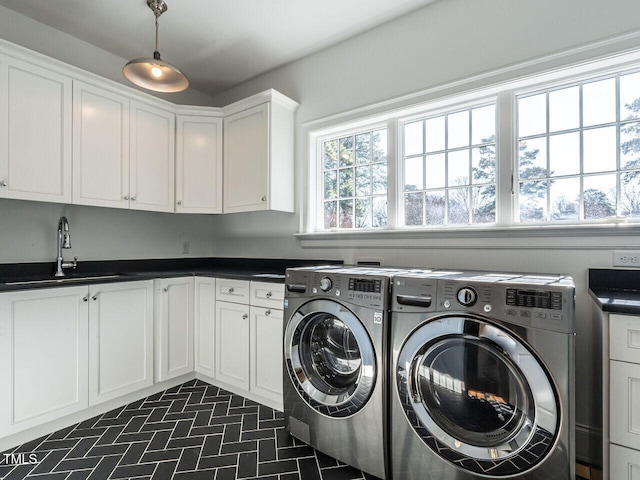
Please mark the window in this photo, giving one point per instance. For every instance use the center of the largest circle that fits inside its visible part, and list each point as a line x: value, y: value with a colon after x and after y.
x: 579, y: 151
x: 559, y: 148
x: 449, y: 168
x: 354, y: 180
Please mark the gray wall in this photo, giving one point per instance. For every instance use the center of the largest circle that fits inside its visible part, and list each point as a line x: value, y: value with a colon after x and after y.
x: 448, y: 41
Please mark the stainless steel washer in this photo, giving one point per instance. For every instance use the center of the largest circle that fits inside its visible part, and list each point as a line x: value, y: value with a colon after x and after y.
x: 482, y: 376
x: 335, y: 367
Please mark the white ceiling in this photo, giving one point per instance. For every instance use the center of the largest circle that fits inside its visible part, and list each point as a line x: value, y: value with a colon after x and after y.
x: 217, y: 44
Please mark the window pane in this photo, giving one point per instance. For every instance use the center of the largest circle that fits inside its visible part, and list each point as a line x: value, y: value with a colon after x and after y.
x: 599, y: 102
x: 533, y: 201
x: 483, y: 161
x: 630, y: 96
x: 413, y: 175
x: 346, y: 151
x: 564, y: 154
x: 330, y: 214
x: 435, y: 206
x: 630, y: 195
x: 458, y: 199
x: 379, y: 211
x: 532, y: 115
x: 630, y: 145
x: 363, y: 148
x: 458, y: 129
x: 363, y: 181
x: 413, y: 208
x: 533, y: 158
x: 600, y: 149
x: 346, y: 182
x: 483, y: 124
x: 379, y: 153
x: 379, y: 176
x: 413, y: 138
x: 599, y: 196
x: 565, y: 199
x: 458, y: 168
x: 483, y: 204
x: 434, y: 131
x: 346, y: 213
x: 435, y: 165
x: 564, y: 109
x: 331, y: 154
x: 331, y: 184
x: 363, y: 213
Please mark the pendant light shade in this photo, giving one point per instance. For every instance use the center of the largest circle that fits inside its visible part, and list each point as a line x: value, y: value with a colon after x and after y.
x: 154, y: 73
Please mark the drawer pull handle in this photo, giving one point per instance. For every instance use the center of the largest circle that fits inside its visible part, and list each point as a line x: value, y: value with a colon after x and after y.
x: 268, y: 295
x: 231, y: 290
x: 267, y: 313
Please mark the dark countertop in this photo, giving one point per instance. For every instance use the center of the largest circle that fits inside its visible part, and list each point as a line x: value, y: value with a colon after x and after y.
x: 22, y: 276
x: 615, y: 291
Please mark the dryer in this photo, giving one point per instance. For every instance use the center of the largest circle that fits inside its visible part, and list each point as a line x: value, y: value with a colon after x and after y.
x: 482, y: 376
x: 334, y: 362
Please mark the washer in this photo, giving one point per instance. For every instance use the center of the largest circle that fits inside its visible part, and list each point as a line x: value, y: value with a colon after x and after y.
x: 335, y: 368
x: 482, y: 376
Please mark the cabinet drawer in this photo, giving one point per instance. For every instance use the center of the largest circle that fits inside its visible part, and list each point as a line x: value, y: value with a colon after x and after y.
x: 266, y: 294
x: 624, y: 396
x: 625, y: 463
x: 624, y: 338
x: 236, y: 291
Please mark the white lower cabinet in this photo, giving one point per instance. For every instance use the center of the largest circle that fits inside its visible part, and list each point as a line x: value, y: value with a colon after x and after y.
x: 204, y: 323
x: 625, y: 463
x: 266, y: 353
x: 173, y: 327
x: 232, y: 344
x: 120, y: 339
x: 43, y: 356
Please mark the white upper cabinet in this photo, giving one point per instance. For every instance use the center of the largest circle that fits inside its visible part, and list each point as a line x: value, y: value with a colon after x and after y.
x: 152, y: 155
x: 35, y: 132
x: 198, y: 163
x: 100, y: 147
x: 258, y: 154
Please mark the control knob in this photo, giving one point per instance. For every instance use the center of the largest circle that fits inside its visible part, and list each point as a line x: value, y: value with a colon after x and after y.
x: 467, y: 296
x: 325, y: 284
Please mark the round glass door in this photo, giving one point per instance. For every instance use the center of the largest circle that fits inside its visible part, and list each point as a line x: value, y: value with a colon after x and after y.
x: 471, y: 390
x: 330, y: 358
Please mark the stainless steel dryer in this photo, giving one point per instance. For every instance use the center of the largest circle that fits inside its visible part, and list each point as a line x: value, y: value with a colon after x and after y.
x: 334, y: 378
x: 482, y: 376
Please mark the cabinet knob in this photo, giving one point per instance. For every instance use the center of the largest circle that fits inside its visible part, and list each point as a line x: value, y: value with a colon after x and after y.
x: 95, y: 297
x: 165, y: 289
x: 268, y: 295
x: 126, y: 197
x: 133, y: 199
x: 264, y: 199
x: 86, y: 298
x: 3, y: 183
x: 179, y: 202
x: 245, y: 316
x: 231, y: 290
x: 267, y: 313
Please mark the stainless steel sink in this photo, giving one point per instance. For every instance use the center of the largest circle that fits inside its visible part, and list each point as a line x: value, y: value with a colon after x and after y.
x: 63, y: 280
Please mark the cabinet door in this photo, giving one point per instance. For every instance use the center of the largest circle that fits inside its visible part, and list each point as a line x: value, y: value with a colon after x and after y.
x: 232, y: 344
x: 204, y: 318
x: 624, y: 338
x: 624, y: 396
x: 198, y: 164
x: 100, y: 147
x: 35, y: 133
x: 266, y: 353
x: 152, y: 158
x: 120, y: 339
x: 43, y: 354
x: 173, y: 329
x: 246, y: 160
x: 625, y: 463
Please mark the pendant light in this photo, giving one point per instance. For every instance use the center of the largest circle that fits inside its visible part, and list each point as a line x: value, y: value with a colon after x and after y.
x: 154, y: 73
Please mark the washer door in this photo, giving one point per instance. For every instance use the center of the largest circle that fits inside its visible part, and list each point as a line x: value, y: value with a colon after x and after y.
x: 330, y: 358
x: 477, y: 396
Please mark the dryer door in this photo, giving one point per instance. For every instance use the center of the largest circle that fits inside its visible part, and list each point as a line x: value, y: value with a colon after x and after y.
x: 477, y: 396
x: 330, y: 358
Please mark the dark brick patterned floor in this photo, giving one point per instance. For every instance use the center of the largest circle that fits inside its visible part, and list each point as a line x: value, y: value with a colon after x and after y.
x: 193, y: 431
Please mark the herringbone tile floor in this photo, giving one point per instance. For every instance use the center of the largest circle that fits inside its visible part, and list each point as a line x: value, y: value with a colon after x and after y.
x: 193, y: 431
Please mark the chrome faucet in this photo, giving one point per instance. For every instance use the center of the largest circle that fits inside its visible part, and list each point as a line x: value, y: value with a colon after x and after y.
x: 64, y: 241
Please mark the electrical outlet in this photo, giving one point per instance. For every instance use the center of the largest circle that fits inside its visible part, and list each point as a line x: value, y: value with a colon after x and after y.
x: 185, y: 247
x: 626, y: 258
